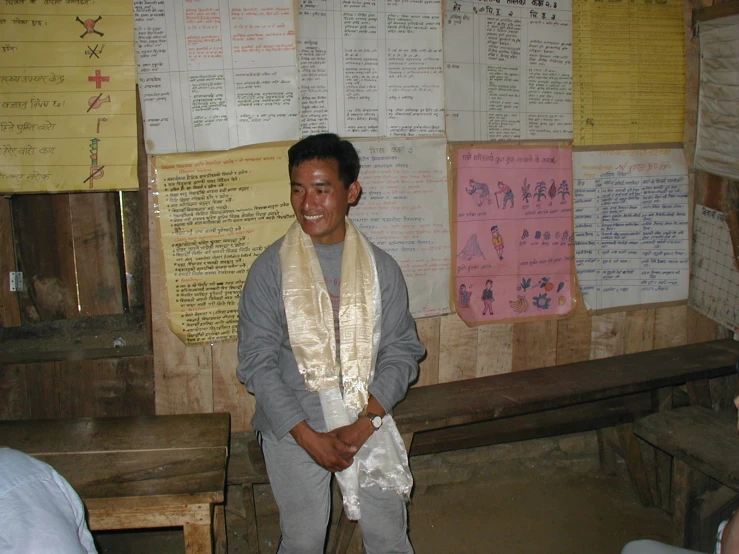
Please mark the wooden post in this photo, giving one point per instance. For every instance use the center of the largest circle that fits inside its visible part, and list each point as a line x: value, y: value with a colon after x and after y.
x: 635, y: 462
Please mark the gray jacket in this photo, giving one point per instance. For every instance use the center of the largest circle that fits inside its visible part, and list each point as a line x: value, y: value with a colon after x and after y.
x: 267, y: 366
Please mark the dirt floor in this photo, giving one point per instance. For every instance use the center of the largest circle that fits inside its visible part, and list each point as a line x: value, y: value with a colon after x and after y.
x: 539, y: 510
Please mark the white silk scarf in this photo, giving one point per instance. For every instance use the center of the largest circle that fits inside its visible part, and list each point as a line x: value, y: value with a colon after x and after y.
x: 342, y: 381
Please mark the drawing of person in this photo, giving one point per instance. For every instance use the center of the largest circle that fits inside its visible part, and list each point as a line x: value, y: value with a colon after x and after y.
x: 483, y: 188
x: 507, y: 193
x: 487, y: 298
x: 497, y: 241
x: 464, y: 296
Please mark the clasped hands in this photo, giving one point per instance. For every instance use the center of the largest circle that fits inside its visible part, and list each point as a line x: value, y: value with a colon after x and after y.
x: 334, y: 450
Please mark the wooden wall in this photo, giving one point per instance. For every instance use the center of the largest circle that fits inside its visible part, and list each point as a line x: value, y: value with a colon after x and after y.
x: 203, y: 378
x: 180, y: 379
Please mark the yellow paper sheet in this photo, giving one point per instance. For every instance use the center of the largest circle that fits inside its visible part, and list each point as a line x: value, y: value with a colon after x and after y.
x: 628, y: 71
x: 217, y: 212
x: 67, y: 96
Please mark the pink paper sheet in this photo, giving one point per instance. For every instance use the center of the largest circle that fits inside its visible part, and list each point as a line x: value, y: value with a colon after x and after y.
x: 514, y: 230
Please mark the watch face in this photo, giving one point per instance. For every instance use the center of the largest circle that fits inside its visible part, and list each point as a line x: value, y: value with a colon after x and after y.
x: 376, y: 422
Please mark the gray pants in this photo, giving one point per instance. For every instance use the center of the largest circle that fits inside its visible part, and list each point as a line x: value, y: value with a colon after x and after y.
x: 302, y: 490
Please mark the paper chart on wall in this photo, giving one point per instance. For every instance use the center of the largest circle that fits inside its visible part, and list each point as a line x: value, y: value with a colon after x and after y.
x: 67, y: 97
x: 514, y: 233
x: 371, y: 68
x: 629, y: 73
x: 714, y: 286
x: 508, y: 70
x: 216, y: 75
x: 217, y: 212
x: 404, y: 211
x: 631, y: 227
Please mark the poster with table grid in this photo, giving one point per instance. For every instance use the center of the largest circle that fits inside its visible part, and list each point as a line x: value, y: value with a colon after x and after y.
x: 714, y: 282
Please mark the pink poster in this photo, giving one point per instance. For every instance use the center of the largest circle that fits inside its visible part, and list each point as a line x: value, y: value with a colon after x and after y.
x: 514, y: 233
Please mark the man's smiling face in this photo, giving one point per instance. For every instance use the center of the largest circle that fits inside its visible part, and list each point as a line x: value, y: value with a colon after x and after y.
x: 320, y: 200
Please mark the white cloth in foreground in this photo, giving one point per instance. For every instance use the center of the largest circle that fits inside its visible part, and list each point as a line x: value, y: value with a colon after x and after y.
x: 40, y: 513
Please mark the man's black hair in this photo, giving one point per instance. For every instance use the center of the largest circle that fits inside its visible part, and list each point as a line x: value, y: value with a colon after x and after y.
x: 326, y: 146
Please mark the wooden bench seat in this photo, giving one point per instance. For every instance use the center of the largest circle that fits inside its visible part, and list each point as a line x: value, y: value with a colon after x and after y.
x: 535, y: 403
x: 702, y: 444
x: 136, y: 472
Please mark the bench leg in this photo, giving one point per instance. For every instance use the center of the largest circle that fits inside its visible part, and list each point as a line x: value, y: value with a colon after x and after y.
x: 687, y: 484
x: 219, y: 530
x: 250, y: 514
x: 700, y: 393
x: 198, y: 538
x: 344, y: 533
x: 634, y: 462
x: 606, y: 454
x: 663, y: 400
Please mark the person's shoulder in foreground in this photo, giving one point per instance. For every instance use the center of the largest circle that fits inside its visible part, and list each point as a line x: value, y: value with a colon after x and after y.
x: 40, y: 512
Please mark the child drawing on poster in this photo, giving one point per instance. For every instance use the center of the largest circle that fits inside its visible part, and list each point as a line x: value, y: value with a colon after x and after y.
x: 487, y: 298
x: 464, y: 296
x: 527, y: 261
x: 497, y: 241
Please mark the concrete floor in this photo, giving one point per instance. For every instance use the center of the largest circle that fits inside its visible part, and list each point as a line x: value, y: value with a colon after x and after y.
x: 546, y: 496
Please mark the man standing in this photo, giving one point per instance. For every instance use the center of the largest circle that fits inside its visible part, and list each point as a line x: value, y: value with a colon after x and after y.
x: 326, y: 376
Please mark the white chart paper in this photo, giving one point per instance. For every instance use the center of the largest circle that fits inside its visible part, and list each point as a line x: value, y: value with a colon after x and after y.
x: 371, y: 68
x: 714, y: 286
x: 631, y: 227
x: 508, y: 69
x: 404, y: 210
x: 216, y: 74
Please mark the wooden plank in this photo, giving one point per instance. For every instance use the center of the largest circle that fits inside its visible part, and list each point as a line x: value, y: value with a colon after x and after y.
x: 112, y: 387
x: 515, y: 393
x: 46, y: 250
x: 699, y: 393
x: 229, y: 394
x: 32, y: 356
x: 246, y: 462
x: 573, y: 337
x: 95, y: 235
x: 44, y: 390
x: 699, y: 437
x: 534, y: 345
x: 107, y: 513
x: 634, y: 463
x: 608, y: 336
x: 571, y: 419
x: 77, y: 389
x: 220, y: 538
x: 144, y: 473
x: 250, y: 515
x: 10, y: 314
x: 494, y: 349
x: 670, y: 326
x: 428, y: 333
x: 701, y: 328
x: 183, y: 375
x: 198, y: 539
x: 117, y: 434
x: 457, y: 351
x: 639, y: 332
x: 13, y: 393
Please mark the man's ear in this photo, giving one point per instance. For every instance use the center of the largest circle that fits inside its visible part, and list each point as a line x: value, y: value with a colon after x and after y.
x: 355, y: 190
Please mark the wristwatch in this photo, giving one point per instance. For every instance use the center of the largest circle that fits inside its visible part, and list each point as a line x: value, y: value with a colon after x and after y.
x: 375, y: 420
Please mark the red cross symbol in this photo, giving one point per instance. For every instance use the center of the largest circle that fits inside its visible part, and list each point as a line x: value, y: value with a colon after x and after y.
x: 98, y: 78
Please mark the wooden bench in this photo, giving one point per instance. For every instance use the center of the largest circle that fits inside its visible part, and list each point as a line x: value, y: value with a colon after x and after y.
x: 594, y: 394
x: 703, y: 444
x: 137, y: 472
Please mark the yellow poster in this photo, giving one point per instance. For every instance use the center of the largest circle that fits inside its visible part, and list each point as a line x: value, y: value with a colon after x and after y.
x: 628, y: 71
x: 67, y: 96
x: 217, y: 212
